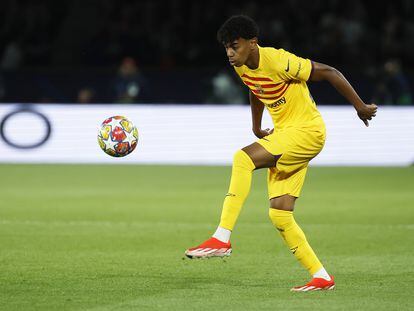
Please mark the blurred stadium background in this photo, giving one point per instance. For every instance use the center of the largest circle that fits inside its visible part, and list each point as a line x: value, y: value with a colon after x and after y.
x: 87, y: 51
x: 111, y: 237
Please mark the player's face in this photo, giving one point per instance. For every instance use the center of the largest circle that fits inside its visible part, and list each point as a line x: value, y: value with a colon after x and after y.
x: 238, y: 51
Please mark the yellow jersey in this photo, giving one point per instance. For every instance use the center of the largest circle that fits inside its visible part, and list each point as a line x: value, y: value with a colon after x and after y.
x: 279, y: 82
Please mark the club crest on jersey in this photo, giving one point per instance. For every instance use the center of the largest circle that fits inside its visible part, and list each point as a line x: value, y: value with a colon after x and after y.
x: 277, y: 103
x: 259, y: 88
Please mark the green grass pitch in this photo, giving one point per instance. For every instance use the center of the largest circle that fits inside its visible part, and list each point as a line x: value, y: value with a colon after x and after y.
x: 89, y: 237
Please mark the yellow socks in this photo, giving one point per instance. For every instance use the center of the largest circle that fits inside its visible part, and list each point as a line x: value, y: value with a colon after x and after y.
x: 241, y: 178
x: 295, y: 239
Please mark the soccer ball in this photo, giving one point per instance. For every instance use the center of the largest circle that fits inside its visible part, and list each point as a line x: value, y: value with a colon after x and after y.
x: 117, y: 136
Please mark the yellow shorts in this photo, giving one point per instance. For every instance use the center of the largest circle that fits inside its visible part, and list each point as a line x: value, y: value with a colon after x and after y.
x: 296, y: 148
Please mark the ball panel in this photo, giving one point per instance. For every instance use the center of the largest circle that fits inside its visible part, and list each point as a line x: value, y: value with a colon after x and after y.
x: 133, y: 145
x: 101, y: 143
x: 126, y: 125
x: 135, y: 133
x: 122, y: 148
x: 105, y: 131
x: 111, y: 152
x: 118, y: 134
x: 106, y: 121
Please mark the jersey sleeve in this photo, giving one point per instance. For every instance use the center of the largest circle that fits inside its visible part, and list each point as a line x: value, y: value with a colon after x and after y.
x: 292, y: 67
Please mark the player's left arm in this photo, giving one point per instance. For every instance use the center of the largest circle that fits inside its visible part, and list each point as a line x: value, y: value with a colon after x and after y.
x: 322, y: 72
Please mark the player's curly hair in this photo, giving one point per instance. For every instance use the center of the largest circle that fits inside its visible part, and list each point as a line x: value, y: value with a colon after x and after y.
x: 237, y: 26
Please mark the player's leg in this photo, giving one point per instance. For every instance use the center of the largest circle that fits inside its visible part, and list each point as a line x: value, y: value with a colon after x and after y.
x: 245, y: 161
x: 281, y: 215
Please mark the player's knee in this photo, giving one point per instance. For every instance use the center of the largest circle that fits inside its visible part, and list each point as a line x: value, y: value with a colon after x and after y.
x: 241, y: 159
x: 284, y: 203
x: 279, y: 205
x: 280, y: 218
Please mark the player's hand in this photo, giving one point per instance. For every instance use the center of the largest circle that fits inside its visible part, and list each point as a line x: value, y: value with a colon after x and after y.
x: 367, y: 112
x: 262, y: 133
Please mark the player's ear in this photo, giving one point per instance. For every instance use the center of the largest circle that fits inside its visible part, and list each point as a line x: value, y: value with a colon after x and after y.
x: 253, y: 42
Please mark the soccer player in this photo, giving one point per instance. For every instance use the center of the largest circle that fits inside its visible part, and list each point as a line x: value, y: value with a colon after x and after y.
x: 277, y: 80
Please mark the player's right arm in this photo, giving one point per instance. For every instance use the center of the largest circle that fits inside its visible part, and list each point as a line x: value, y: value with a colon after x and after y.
x: 257, y: 108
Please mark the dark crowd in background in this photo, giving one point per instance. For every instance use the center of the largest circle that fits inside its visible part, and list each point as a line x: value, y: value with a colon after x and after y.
x: 141, y: 51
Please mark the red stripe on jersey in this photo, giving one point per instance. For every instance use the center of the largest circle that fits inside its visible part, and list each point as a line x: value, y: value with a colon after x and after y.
x: 279, y: 90
x: 256, y: 79
x: 281, y: 93
x: 262, y: 85
x: 271, y: 92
